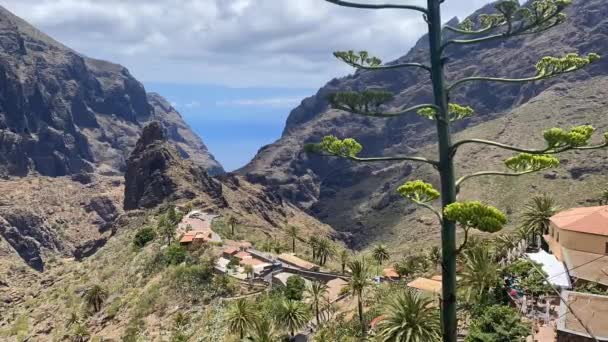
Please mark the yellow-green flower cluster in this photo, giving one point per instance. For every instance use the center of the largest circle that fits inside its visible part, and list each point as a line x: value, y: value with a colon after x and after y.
x: 552, y: 66
x: 341, y: 148
x: 476, y: 215
x: 355, y: 59
x: 367, y: 101
x: 525, y: 162
x: 418, y: 191
x: 456, y: 111
x: 577, y: 136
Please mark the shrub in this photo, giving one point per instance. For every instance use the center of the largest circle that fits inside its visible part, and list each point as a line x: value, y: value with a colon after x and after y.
x: 143, y: 236
x: 498, y: 324
x: 294, y: 289
x: 175, y: 254
x: 190, y: 280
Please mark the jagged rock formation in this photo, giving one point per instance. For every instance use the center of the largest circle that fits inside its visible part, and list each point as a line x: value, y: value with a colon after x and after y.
x: 356, y: 198
x: 156, y: 173
x: 43, y: 216
x: 63, y: 113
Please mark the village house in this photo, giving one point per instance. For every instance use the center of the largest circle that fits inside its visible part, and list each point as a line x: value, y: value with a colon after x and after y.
x: 291, y: 260
x: 244, y: 258
x: 579, y: 238
x: 390, y: 274
x: 591, y: 309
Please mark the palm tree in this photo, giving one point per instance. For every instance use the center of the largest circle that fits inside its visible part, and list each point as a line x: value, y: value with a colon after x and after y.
x: 232, y: 222
x: 410, y: 316
x: 166, y: 228
x: 263, y: 331
x: 344, y: 258
x: 316, y: 292
x: 293, y: 315
x: 241, y: 316
x: 537, y: 214
x: 480, y: 276
x: 250, y: 272
x: 293, y: 232
x: 324, y: 250
x: 380, y: 254
x: 358, y: 281
x: 506, y: 242
x: 95, y: 296
x: 313, y: 241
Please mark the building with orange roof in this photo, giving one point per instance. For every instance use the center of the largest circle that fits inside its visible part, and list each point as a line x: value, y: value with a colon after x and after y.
x: 579, y: 238
x: 579, y: 229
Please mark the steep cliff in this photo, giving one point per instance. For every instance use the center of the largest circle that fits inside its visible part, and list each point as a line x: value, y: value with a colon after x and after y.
x: 354, y: 198
x: 63, y: 113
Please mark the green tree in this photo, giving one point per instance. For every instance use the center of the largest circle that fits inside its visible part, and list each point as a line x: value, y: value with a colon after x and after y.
x: 94, y: 297
x: 324, y: 251
x: 249, y: 271
x: 537, y: 214
x: 344, y: 256
x: 380, y: 254
x: 510, y: 20
x: 264, y: 331
x: 480, y: 276
x: 232, y: 222
x: 143, y: 236
x: 313, y: 242
x: 316, y: 293
x: 498, y: 323
x: 166, y: 228
x: 241, y: 316
x: 410, y: 316
x: 403, y: 268
x: 294, y: 288
x: 292, y: 232
x: 292, y: 315
x: 173, y: 216
x: 175, y: 254
x: 358, y: 282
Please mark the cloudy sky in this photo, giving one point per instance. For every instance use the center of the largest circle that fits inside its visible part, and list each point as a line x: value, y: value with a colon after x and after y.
x: 233, y: 68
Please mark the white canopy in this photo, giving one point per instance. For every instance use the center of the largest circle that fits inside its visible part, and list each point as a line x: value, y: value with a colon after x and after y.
x: 555, y: 269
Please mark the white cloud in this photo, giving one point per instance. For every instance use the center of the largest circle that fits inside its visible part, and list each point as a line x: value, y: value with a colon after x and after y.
x: 278, y: 43
x: 276, y: 102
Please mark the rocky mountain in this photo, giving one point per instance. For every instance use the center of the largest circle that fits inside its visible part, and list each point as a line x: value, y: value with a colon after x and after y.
x: 361, y: 199
x: 62, y: 113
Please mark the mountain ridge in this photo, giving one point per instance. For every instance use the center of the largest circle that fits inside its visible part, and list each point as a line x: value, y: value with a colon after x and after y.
x: 90, y: 110
x: 316, y: 184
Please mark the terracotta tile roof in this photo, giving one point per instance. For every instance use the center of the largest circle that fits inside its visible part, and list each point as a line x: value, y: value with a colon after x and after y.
x: 437, y: 277
x: 427, y: 285
x: 242, y: 255
x: 591, y: 220
x: 390, y: 273
x: 230, y: 250
x: 186, y: 239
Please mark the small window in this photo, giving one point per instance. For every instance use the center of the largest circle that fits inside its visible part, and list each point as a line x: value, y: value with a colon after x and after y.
x: 606, y: 247
x: 557, y: 238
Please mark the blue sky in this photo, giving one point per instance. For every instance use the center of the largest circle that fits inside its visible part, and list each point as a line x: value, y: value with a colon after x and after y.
x: 234, y: 122
x: 233, y: 68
